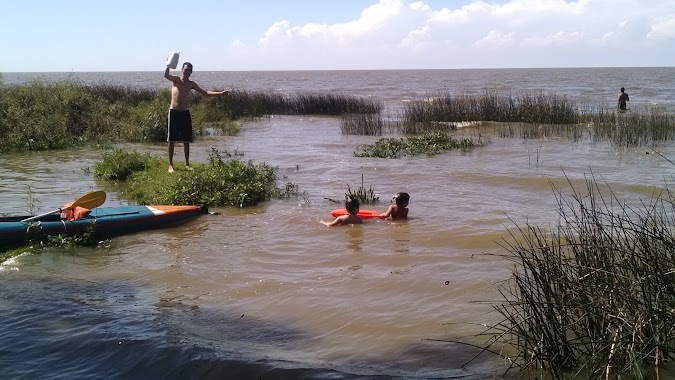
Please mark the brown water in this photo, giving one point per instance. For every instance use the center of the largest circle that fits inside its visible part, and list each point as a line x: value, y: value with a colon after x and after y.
x: 268, y: 292
x: 271, y: 286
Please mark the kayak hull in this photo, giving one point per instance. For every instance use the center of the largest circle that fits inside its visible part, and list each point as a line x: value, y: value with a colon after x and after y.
x: 106, y: 221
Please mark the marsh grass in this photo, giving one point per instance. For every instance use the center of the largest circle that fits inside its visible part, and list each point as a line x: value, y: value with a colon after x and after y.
x: 363, y: 195
x: 363, y: 124
x: 538, y: 115
x: 245, y: 104
x: 593, y: 297
x: 428, y: 144
x: 543, y: 108
x: 641, y: 127
x: 42, y: 116
x: 223, y: 181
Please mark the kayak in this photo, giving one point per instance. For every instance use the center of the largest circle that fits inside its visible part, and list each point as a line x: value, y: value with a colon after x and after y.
x: 364, y: 214
x: 106, y: 221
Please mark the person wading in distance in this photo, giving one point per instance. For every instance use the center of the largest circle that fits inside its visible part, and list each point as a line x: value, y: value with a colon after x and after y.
x: 623, y: 98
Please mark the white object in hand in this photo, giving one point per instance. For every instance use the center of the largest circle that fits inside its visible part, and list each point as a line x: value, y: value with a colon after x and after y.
x: 172, y: 60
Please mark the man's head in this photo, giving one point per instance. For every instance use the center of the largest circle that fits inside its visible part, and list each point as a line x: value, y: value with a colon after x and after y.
x: 187, y: 68
x: 623, y: 89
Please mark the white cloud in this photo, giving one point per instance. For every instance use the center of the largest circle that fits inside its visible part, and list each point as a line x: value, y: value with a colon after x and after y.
x: 495, y: 39
x: 373, y: 19
x: 663, y: 28
x: 465, y: 35
x: 416, y: 37
x: 555, y: 39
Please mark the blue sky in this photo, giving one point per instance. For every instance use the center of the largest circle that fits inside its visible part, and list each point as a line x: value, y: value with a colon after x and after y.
x: 124, y: 35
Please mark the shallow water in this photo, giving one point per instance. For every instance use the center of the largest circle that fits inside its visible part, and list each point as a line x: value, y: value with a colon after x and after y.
x: 271, y: 289
x: 269, y: 292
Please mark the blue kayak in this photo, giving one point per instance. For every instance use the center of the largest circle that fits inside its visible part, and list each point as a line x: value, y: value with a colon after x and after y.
x: 106, y: 221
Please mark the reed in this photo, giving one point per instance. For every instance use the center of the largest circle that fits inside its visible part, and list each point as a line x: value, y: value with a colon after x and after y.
x: 363, y: 124
x: 641, y: 127
x: 548, y: 108
x: 363, y: 195
x: 241, y: 104
x: 593, y: 297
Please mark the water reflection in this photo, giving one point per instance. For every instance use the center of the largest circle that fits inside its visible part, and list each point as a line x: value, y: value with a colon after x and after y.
x: 400, y: 236
x: 354, y: 237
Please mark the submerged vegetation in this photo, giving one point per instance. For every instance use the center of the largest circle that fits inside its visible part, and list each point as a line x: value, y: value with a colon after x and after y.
x: 37, y: 241
x: 223, y: 181
x: 528, y: 116
x: 429, y: 144
x: 595, y: 296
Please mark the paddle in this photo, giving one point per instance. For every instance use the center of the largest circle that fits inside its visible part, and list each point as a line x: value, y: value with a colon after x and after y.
x: 89, y: 201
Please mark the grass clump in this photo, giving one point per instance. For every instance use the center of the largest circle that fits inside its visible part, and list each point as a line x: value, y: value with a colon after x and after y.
x: 223, y: 181
x: 118, y: 165
x: 428, y: 143
x: 594, y: 297
x: 363, y: 195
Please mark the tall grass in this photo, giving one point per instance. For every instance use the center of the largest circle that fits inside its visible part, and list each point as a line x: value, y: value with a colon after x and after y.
x: 545, y: 108
x: 539, y: 115
x: 41, y: 116
x: 370, y: 124
x: 241, y: 104
x: 593, y: 297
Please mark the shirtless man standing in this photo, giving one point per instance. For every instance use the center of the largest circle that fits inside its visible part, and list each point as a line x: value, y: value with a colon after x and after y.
x: 623, y: 98
x: 180, y: 123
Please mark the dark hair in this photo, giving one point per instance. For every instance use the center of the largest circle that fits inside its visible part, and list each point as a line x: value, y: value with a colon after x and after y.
x: 352, y: 205
x: 623, y: 89
x: 402, y: 199
x: 187, y: 64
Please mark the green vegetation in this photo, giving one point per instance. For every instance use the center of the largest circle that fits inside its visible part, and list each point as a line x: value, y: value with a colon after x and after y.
x: 369, y: 124
x: 119, y: 165
x: 537, y: 116
x: 223, y: 181
x: 363, y: 195
x: 594, y: 297
x: 490, y: 106
x: 429, y: 144
x: 37, y: 241
x: 41, y: 116
x: 242, y: 104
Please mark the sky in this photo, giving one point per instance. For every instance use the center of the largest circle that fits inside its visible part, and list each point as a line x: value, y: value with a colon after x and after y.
x: 251, y: 35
